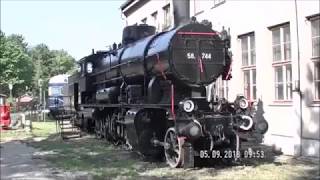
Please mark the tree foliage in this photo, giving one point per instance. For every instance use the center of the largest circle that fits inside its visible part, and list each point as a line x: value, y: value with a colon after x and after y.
x: 15, y: 63
x: 24, y: 66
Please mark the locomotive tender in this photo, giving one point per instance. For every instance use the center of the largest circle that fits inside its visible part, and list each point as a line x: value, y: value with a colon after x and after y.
x: 150, y: 93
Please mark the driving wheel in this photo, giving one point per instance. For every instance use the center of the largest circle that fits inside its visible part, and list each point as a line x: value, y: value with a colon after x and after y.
x: 174, y: 152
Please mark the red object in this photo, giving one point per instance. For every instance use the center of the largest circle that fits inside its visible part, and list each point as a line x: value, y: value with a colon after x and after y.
x: 200, y: 64
x: 161, y: 67
x: 172, y: 103
x: 5, y: 119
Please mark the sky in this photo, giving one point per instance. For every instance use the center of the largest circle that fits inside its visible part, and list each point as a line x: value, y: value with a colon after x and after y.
x: 76, y: 26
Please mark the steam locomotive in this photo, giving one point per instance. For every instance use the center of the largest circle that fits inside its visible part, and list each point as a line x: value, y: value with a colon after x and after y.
x: 154, y: 93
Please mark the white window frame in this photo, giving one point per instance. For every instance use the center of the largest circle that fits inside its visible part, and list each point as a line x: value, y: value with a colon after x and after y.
x: 166, y: 16
x: 282, y: 43
x: 250, y: 96
x: 282, y: 63
x: 316, y: 87
x: 287, y: 84
x: 155, y: 22
x: 249, y: 49
x: 249, y: 65
x: 317, y: 18
x: 315, y: 60
x: 198, y: 7
x: 222, y: 88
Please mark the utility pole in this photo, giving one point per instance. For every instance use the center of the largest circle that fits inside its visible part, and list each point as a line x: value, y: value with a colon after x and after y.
x: 44, y: 105
x: 10, y: 88
x: 40, y: 96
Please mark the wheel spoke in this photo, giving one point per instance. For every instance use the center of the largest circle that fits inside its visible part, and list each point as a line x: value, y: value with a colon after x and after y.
x: 173, y: 153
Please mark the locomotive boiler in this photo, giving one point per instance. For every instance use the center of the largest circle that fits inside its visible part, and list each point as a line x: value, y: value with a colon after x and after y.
x: 153, y: 93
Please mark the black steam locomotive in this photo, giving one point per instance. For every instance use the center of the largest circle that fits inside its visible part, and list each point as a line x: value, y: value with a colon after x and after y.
x: 154, y: 93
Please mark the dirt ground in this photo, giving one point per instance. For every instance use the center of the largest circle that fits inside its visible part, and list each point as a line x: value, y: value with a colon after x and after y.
x: 19, y: 161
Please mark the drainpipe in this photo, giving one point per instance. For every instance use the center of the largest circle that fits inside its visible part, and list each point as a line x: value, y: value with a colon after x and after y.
x: 299, y: 78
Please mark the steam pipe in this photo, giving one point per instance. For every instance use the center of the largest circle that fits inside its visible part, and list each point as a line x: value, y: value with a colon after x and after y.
x: 181, y: 12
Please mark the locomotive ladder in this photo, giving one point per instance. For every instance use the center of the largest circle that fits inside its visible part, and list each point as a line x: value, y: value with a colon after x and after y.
x: 65, y: 116
x: 65, y: 124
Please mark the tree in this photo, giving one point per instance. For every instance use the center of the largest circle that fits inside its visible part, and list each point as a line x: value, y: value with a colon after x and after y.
x: 15, y: 64
x: 48, y: 63
x: 23, y: 66
x: 42, y: 59
x: 62, y: 63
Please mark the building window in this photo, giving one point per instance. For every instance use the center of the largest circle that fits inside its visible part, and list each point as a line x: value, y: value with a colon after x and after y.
x: 167, y: 17
x: 283, y: 82
x: 155, y: 20
x: 250, y: 87
x: 281, y: 43
x: 248, y: 51
x: 315, y: 37
x: 281, y: 49
x: 222, y: 88
x: 218, y: 2
x: 317, y: 80
x: 315, y: 31
x: 198, y: 7
x: 144, y: 21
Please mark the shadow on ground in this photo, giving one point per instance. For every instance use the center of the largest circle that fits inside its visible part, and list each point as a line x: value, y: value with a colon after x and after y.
x: 102, y: 160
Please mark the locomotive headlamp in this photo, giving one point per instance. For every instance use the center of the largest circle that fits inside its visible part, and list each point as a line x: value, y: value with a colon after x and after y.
x: 188, y: 105
x: 243, y: 103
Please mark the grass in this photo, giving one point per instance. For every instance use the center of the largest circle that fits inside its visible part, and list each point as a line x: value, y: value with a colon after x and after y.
x: 99, y: 158
x: 104, y: 161
x: 39, y: 129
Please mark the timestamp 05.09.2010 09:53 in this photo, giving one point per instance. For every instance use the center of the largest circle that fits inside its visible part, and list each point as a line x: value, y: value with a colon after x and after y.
x: 231, y: 154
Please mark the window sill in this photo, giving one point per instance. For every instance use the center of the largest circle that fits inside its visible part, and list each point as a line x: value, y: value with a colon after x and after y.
x: 276, y: 63
x: 218, y: 4
x: 315, y: 59
x: 198, y: 13
x: 249, y: 67
x: 314, y: 103
x: 281, y: 103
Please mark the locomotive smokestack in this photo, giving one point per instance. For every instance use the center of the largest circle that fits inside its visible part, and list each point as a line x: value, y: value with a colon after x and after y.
x: 181, y: 11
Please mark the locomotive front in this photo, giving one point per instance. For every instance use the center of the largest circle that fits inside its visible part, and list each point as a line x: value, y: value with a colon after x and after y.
x: 198, y: 54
